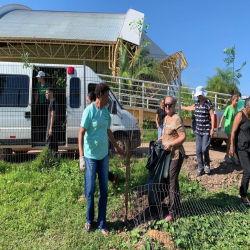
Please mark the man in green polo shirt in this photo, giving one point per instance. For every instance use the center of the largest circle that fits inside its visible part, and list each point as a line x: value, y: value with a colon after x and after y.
x: 42, y: 105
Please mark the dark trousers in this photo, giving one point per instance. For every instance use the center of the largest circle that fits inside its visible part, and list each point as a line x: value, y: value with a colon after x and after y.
x: 173, y: 184
x: 202, y: 149
x: 52, y: 141
x: 42, y: 112
x: 244, y: 157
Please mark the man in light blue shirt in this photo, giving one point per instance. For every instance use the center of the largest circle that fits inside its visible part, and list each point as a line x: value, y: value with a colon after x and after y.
x: 93, y: 153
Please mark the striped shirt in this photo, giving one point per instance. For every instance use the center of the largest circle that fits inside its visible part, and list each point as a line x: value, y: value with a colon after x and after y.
x: 202, y: 117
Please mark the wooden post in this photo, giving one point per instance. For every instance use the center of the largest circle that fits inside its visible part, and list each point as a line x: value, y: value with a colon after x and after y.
x: 127, y: 179
x: 141, y: 120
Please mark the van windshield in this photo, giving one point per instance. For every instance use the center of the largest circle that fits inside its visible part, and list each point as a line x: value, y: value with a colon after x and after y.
x: 114, y: 98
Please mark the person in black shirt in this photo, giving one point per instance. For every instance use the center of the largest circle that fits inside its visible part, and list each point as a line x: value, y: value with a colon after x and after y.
x: 159, y: 118
x: 52, y: 124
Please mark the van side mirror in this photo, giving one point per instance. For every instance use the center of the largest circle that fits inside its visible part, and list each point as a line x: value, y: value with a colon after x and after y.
x: 113, y: 109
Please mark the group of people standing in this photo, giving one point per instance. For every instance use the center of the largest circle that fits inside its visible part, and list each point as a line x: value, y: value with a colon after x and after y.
x: 237, y: 128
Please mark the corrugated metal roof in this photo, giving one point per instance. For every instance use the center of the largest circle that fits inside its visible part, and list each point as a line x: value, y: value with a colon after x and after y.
x: 61, y: 25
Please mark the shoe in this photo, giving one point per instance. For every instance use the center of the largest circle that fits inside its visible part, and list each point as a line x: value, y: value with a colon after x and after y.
x: 207, y: 169
x: 235, y: 161
x: 200, y: 173
x: 115, y: 180
x: 104, y: 231
x: 245, y: 202
x: 228, y: 159
x: 87, y: 226
x: 82, y: 198
x: 169, y: 218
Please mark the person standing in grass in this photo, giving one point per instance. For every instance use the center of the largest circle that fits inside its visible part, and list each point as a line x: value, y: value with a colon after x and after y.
x: 173, y: 136
x: 242, y: 125
x: 112, y: 177
x: 204, y: 120
x: 93, y: 153
x: 41, y: 104
x: 159, y: 118
x: 229, y: 114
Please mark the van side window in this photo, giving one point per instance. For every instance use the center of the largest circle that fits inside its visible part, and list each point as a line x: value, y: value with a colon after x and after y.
x: 75, y: 92
x: 14, y: 90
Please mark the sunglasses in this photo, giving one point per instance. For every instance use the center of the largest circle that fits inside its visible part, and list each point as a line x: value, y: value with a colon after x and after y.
x: 168, y: 104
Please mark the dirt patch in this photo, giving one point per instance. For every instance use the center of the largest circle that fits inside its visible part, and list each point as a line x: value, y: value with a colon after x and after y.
x: 222, y: 175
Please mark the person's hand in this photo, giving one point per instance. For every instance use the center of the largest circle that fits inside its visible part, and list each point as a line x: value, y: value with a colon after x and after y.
x: 82, y: 164
x: 168, y: 146
x: 160, y: 140
x: 219, y: 128
x: 211, y: 133
x: 50, y: 132
x: 231, y: 152
x: 120, y: 151
x: 157, y: 125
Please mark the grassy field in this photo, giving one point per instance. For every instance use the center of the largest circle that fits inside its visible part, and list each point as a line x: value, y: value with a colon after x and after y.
x: 39, y: 210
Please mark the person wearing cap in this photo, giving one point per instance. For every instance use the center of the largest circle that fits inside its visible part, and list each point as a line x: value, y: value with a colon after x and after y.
x: 42, y: 104
x: 204, y: 120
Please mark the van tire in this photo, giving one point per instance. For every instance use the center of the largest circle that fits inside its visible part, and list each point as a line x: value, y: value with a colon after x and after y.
x: 122, y: 143
x: 216, y: 143
x: 5, y: 154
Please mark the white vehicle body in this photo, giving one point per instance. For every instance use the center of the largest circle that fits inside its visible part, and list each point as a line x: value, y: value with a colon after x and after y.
x: 17, y: 107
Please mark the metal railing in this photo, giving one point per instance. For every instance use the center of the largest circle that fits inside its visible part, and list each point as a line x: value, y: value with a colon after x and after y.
x: 146, y: 94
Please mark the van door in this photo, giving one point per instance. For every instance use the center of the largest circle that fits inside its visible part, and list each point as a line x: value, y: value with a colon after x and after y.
x: 75, y: 106
x: 15, y: 108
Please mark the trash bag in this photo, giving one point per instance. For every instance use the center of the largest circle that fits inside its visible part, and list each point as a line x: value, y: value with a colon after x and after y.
x: 156, y: 165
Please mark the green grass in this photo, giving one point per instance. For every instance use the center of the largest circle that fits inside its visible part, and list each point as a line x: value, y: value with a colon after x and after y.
x: 39, y: 210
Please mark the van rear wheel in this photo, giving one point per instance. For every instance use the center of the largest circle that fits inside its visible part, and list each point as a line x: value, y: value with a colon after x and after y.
x: 5, y: 154
x: 216, y: 143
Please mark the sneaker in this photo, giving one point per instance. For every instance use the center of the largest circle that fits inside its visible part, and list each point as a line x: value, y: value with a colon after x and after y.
x: 235, y: 161
x: 228, y: 159
x: 207, y: 169
x: 200, y: 173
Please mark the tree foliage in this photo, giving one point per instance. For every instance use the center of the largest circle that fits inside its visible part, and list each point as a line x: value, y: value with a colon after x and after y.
x: 223, y: 81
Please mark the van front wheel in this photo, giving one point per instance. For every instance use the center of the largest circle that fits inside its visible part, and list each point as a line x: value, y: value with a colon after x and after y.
x: 122, y: 143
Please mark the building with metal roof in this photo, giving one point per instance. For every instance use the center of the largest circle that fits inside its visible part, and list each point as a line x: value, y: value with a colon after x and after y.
x: 56, y: 36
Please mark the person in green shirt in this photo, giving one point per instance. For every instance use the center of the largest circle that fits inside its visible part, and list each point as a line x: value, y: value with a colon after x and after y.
x: 230, y: 114
x: 41, y: 105
x: 241, y: 103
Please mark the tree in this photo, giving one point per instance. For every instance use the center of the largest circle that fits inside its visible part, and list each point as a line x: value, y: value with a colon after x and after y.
x: 223, y: 81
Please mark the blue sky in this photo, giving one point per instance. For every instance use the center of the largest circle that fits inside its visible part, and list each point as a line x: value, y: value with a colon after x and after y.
x: 202, y: 29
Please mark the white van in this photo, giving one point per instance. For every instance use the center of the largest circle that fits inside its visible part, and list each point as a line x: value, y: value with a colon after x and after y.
x: 18, y: 121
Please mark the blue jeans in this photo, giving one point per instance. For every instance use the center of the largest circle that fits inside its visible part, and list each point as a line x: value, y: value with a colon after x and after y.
x: 202, y: 149
x: 160, y: 131
x: 100, y: 167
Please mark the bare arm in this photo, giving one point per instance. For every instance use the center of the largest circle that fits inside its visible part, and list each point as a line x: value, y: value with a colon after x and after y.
x: 156, y: 120
x: 221, y: 120
x: 211, y: 112
x: 178, y: 141
x: 81, y: 141
x: 188, y: 108
x: 236, y: 124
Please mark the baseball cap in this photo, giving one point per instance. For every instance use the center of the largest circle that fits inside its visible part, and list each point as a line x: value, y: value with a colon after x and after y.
x: 40, y: 74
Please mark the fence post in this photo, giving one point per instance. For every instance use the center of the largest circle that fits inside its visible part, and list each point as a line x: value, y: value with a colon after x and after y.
x: 168, y: 91
x: 141, y: 120
x: 119, y: 90
x: 192, y: 94
x: 143, y: 95
x: 215, y: 101
x: 130, y: 102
